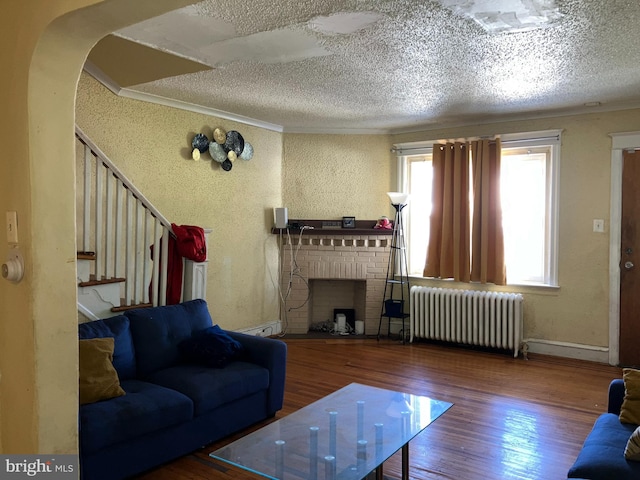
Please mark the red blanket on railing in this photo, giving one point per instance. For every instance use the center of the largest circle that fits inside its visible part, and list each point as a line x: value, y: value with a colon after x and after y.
x: 190, y: 243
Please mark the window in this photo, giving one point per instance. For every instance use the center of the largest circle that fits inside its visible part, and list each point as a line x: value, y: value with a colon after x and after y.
x: 529, y: 205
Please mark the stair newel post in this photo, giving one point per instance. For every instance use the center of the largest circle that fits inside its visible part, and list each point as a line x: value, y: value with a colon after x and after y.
x: 195, y: 275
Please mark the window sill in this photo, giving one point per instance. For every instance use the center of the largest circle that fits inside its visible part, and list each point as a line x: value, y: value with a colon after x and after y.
x: 511, y: 288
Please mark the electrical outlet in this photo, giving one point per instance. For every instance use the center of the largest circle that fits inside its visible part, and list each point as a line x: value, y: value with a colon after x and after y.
x: 598, y: 225
x: 12, y: 227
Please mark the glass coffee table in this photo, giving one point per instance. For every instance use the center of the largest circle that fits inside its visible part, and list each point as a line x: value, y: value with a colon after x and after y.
x: 346, y: 435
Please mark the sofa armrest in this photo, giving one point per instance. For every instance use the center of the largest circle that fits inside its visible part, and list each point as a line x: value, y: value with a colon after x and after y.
x: 272, y: 355
x: 616, y: 395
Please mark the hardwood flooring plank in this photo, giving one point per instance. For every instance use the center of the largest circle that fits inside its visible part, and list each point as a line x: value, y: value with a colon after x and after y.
x: 511, y: 419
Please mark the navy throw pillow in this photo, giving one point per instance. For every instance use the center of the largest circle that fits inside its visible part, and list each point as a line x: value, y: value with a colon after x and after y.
x: 211, y: 347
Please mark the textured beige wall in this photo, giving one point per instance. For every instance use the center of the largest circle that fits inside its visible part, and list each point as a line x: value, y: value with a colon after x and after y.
x: 151, y: 145
x: 330, y: 176
x: 578, y: 311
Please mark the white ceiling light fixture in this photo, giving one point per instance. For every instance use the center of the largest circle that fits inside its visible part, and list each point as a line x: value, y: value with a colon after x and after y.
x: 507, y: 16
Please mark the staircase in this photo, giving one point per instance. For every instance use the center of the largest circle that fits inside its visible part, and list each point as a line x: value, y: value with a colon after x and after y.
x: 116, y: 226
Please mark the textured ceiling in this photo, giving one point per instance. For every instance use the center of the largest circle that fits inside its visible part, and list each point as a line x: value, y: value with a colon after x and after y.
x: 398, y: 65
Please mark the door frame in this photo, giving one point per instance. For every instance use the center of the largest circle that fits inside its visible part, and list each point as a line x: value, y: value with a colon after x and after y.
x: 619, y: 143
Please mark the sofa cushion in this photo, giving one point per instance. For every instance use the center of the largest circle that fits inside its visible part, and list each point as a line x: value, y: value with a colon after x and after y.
x: 630, y: 410
x: 602, y: 455
x: 157, y: 332
x: 210, y: 347
x: 118, y: 328
x: 211, y: 387
x: 144, y: 409
x: 97, y: 378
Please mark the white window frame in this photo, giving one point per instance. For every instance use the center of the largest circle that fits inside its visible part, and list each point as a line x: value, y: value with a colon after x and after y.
x: 550, y: 138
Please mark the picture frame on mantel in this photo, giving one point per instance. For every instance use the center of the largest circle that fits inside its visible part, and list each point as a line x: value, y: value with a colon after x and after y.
x: 348, y: 222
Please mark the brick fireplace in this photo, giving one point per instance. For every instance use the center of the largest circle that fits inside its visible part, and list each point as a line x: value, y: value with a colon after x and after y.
x: 360, y: 255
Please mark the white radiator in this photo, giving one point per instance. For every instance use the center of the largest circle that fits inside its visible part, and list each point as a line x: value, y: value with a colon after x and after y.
x: 488, y: 319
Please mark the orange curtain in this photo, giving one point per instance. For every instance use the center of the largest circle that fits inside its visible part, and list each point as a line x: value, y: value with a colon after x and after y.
x: 487, y: 254
x: 448, y: 250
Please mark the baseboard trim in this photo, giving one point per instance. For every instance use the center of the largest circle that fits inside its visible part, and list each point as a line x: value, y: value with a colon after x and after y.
x: 578, y: 351
x: 264, y: 330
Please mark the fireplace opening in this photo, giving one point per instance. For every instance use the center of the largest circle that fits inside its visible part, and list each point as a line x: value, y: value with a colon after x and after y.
x: 330, y: 296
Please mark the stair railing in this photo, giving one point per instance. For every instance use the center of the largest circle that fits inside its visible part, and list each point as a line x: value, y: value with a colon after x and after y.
x: 116, y: 225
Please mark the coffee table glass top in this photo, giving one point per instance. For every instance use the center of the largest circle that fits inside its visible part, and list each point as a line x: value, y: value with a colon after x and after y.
x: 345, y: 435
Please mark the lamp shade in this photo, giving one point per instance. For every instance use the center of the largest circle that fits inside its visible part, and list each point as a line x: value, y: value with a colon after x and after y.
x: 398, y: 198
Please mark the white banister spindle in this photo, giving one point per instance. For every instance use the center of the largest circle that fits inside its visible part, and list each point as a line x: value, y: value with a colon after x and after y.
x: 184, y: 263
x: 86, y: 206
x: 119, y: 226
x: 109, y: 244
x: 139, y: 257
x: 130, y: 249
x: 98, y: 241
x: 146, y: 264
x: 155, y: 276
x: 163, y: 271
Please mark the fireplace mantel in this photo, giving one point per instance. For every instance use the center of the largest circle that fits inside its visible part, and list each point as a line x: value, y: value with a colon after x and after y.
x: 363, y: 227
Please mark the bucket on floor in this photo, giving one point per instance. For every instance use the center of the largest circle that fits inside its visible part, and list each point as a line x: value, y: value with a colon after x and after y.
x: 359, y: 327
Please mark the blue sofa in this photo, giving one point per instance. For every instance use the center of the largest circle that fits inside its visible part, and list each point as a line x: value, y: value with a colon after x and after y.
x: 602, y: 455
x: 172, y: 407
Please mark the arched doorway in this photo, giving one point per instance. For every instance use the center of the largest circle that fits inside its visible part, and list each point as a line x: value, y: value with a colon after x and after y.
x: 48, y: 41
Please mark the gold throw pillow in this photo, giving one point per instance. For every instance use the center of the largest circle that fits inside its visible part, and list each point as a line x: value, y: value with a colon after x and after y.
x: 632, y: 450
x: 630, y: 410
x: 98, y: 377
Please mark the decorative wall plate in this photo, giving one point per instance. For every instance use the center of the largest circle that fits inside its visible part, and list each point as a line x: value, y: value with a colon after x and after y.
x: 201, y: 142
x: 217, y: 152
x: 234, y: 142
x: 247, y: 153
x: 220, y: 135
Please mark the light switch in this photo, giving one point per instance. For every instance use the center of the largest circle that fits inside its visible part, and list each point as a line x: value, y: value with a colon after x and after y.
x: 12, y: 227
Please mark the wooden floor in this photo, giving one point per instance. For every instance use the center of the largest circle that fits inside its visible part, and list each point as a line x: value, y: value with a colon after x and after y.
x: 511, y: 419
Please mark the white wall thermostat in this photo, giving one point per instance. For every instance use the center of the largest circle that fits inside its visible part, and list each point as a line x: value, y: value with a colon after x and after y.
x: 13, y: 268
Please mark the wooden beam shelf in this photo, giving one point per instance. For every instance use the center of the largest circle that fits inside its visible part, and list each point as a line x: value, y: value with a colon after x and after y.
x: 362, y: 227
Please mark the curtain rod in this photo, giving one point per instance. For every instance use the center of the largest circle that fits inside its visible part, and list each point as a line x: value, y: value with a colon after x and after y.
x: 505, y: 142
